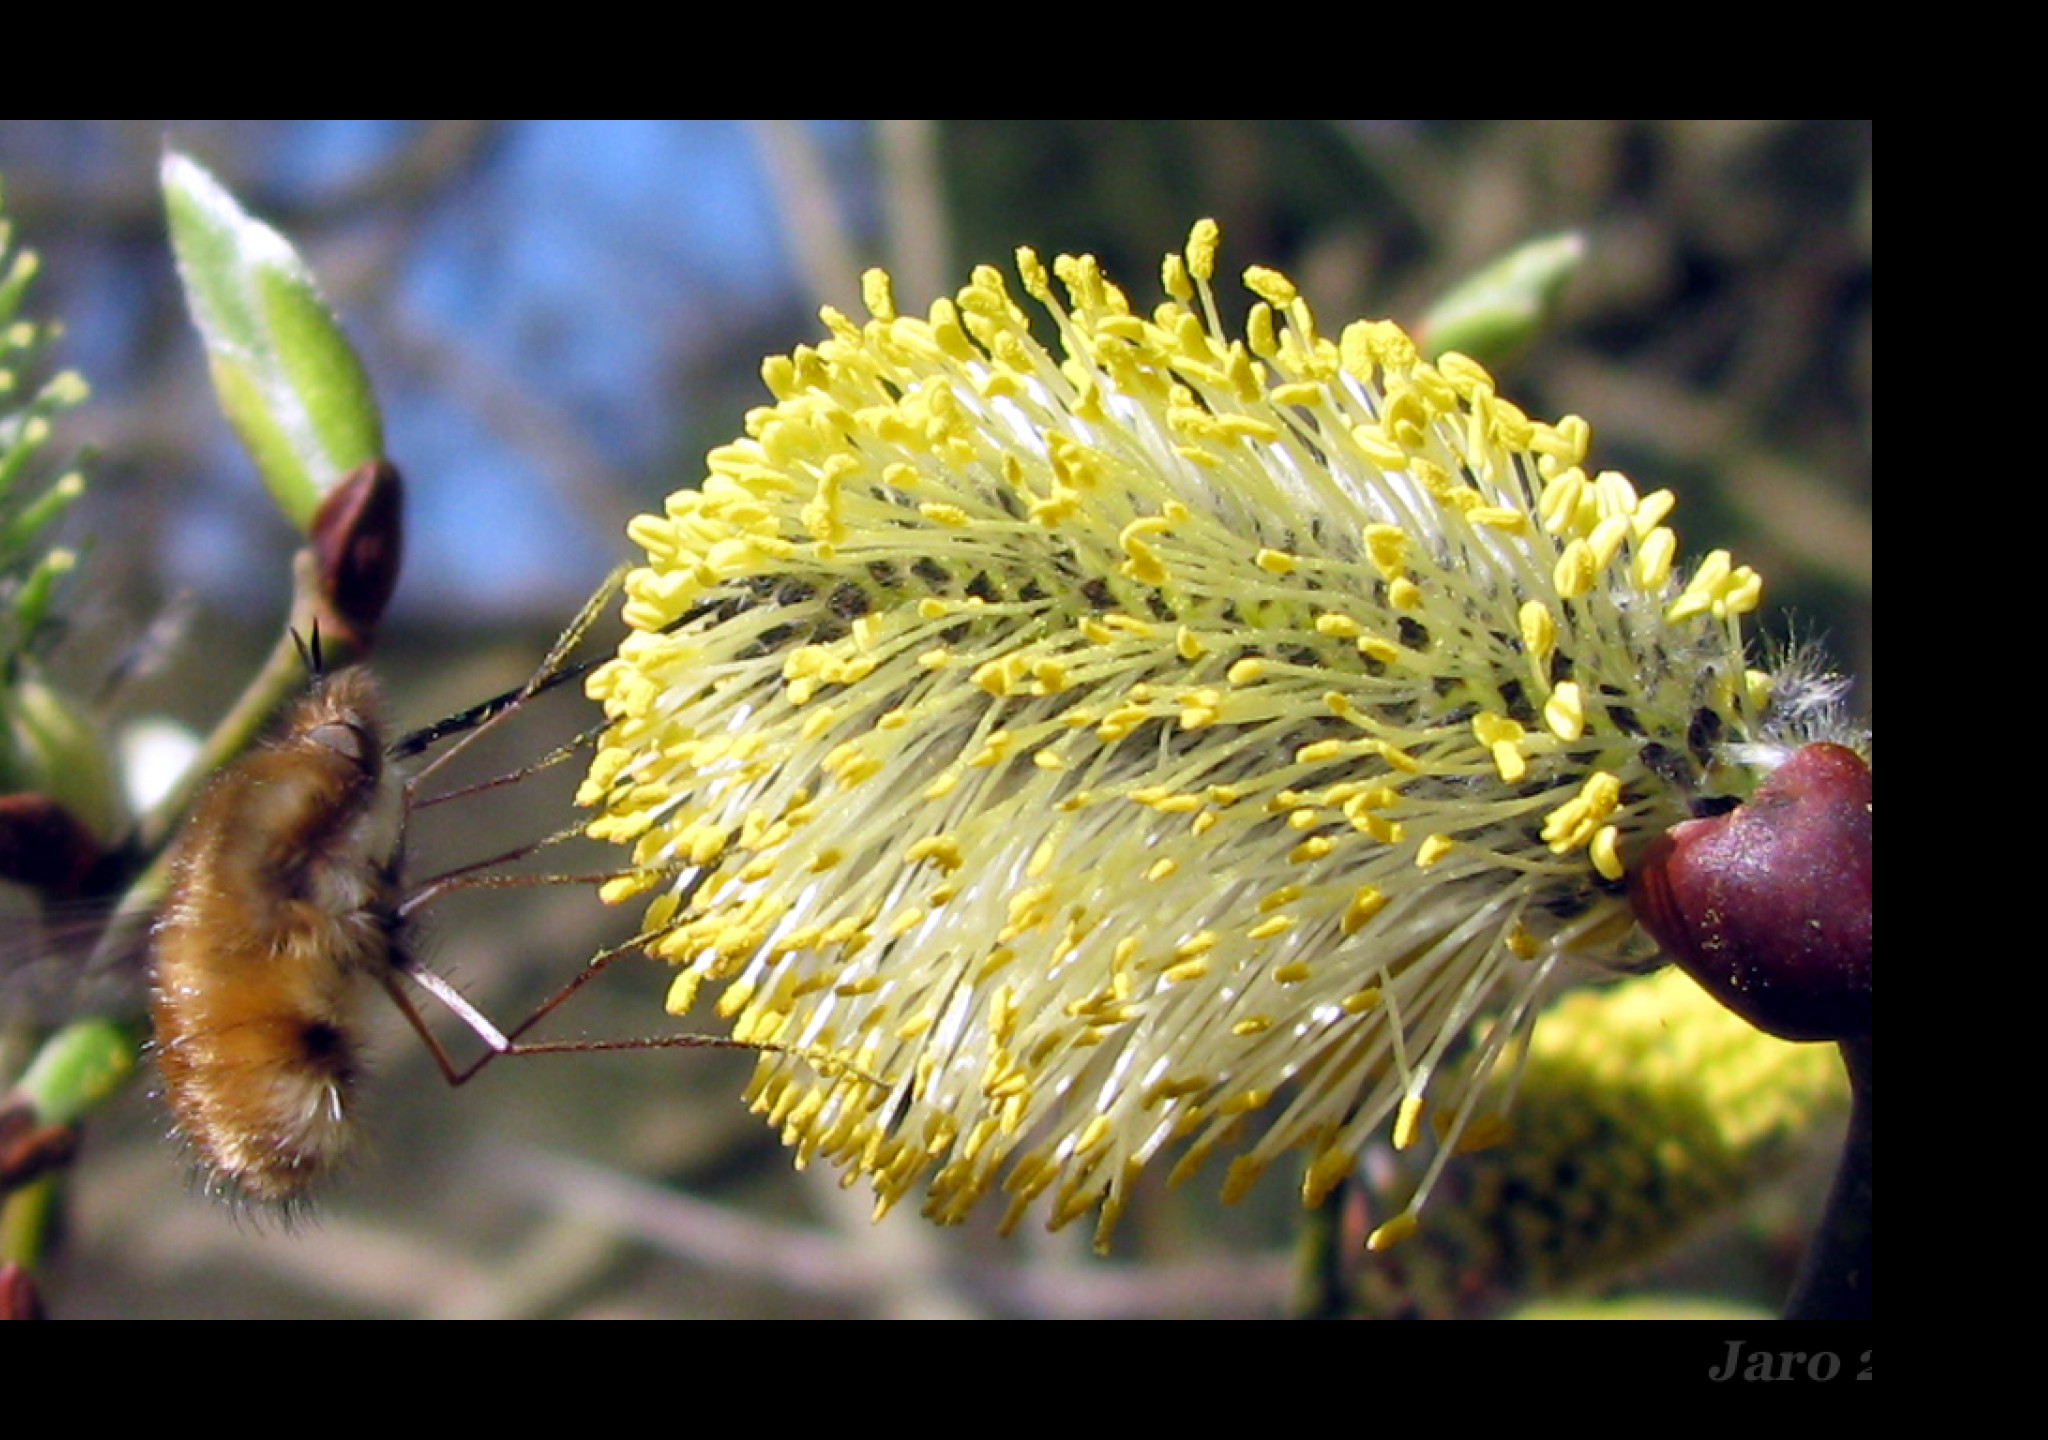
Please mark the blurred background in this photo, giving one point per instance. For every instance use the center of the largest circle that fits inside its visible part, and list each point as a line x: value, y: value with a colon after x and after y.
x: 560, y: 318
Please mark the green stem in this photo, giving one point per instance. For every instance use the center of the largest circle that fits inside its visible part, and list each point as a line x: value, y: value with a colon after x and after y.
x: 1320, y: 1291
x: 282, y: 677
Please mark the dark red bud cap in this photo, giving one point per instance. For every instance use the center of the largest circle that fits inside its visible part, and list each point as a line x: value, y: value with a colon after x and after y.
x: 1768, y: 906
x: 359, y: 539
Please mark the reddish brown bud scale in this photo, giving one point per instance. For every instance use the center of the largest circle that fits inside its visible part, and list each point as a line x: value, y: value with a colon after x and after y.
x: 1768, y: 906
x: 19, y: 1299
x: 358, y: 538
x: 29, y: 1148
x: 44, y: 846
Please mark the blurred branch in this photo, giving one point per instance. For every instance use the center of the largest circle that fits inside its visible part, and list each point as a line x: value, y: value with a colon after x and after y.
x: 920, y: 233
x: 808, y: 1263
x: 820, y: 240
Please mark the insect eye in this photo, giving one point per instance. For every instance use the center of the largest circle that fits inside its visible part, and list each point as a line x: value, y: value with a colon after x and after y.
x: 347, y: 741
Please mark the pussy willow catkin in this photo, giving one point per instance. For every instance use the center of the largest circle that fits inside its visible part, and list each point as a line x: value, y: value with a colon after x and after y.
x: 1101, y: 746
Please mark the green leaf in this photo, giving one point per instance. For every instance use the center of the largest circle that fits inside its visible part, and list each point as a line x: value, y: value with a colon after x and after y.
x: 288, y: 379
x: 1497, y: 311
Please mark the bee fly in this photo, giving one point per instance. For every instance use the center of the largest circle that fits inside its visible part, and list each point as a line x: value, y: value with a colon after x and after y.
x: 284, y: 900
